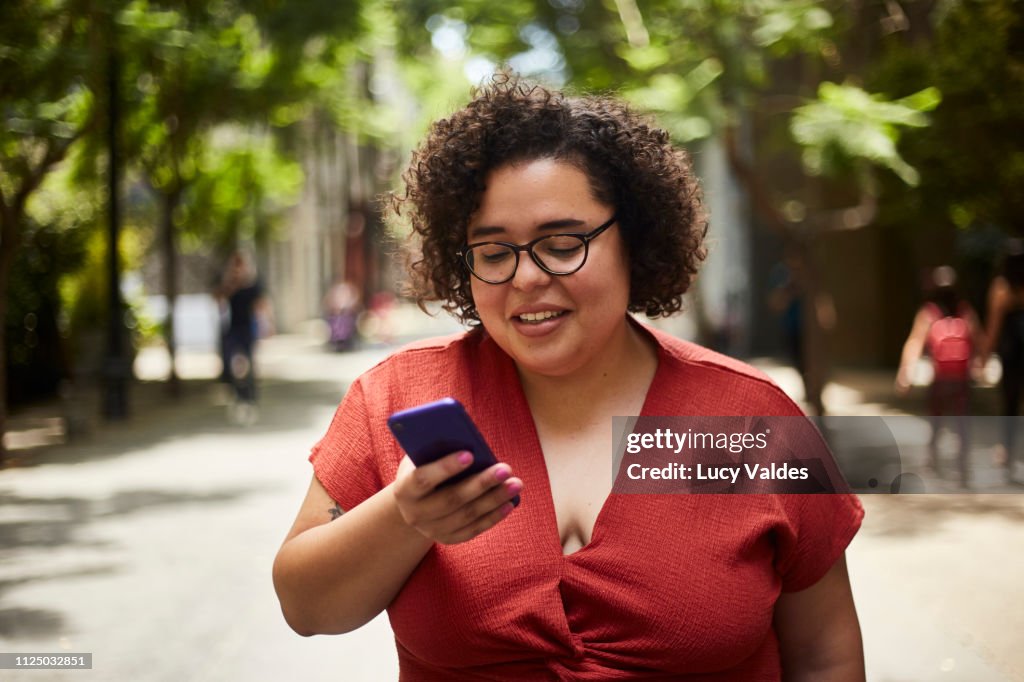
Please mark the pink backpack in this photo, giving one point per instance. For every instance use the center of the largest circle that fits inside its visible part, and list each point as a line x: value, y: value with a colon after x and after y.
x: 949, y: 344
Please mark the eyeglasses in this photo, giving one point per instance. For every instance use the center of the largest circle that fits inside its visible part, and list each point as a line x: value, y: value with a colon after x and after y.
x: 555, y: 254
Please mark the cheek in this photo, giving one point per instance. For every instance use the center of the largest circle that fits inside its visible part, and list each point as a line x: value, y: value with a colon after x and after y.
x: 611, y: 281
x: 486, y: 298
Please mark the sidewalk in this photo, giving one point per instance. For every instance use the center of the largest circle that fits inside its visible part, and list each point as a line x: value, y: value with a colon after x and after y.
x: 177, y: 499
x: 286, y: 356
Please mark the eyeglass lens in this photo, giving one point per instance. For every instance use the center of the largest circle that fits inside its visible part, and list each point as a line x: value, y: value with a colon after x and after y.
x: 561, y: 254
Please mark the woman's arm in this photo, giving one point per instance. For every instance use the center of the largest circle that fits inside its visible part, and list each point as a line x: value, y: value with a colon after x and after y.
x: 913, y: 348
x: 338, y: 569
x: 979, y: 345
x: 998, y: 303
x: 818, y: 631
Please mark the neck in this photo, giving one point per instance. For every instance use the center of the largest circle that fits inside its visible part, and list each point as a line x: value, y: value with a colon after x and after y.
x: 625, y: 367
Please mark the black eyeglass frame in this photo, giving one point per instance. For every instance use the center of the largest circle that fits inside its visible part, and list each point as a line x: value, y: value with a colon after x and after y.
x: 586, y: 238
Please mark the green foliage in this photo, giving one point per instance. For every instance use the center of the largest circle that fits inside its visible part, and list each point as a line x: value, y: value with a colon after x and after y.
x: 846, y: 123
x: 696, y: 64
x: 188, y: 71
x: 241, y: 188
x: 60, y: 218
x: 680, y: 100
x: 970, y: 157
x: 36, y: 345
x: 44, y: 58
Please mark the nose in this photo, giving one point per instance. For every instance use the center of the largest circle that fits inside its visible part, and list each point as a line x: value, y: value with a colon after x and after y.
x: 528, y: 274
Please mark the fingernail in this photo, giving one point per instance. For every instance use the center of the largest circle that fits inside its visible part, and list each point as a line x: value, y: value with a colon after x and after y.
x: 514, y: 488
x: 465, y: 458
x: 501, y: 474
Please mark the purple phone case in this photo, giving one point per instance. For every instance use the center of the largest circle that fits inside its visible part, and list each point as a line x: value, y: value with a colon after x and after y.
x: 431, y: 431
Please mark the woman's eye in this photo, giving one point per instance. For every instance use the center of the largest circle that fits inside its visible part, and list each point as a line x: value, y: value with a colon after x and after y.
x: 494, y: 255
x: 563, y: 248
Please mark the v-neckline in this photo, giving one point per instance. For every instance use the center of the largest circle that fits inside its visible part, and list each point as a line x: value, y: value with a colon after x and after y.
x: 549, y: 516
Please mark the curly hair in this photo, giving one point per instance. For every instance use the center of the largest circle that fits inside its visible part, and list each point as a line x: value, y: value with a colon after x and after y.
x: 630, y: 165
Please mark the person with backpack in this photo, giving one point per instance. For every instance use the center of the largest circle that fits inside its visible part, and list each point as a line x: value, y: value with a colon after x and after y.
x: 947, y: 328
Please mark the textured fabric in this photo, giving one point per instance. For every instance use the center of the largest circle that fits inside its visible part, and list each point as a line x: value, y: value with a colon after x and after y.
x: 670, y: 587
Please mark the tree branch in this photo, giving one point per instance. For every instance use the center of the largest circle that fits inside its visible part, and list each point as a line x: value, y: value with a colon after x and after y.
x: 763, y: 203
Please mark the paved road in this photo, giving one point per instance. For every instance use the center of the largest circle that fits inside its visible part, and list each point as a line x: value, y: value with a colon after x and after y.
x: 150, y: 546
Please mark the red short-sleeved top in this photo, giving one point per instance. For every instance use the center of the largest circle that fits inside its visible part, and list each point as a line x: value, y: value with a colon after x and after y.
x: 670, y: 587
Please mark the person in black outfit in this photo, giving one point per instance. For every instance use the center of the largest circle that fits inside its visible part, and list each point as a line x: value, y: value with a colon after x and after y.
x: 247, y: 309
x: 1005, y: 334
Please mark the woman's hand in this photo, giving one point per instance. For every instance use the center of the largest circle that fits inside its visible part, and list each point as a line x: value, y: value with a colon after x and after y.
x: 459, y: 512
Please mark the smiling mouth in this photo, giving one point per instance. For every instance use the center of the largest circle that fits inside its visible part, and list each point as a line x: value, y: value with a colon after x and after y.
x: 537, y: 318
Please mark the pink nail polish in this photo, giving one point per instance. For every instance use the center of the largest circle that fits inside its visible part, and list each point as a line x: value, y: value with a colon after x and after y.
x: 514, y: 488
x: 465, y: 458
x: 502, y: 474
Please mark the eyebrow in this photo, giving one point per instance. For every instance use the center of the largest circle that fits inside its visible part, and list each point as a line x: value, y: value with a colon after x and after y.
x: 490, y: 230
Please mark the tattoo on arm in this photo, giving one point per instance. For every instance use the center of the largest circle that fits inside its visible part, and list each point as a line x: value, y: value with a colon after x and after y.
x: 336, y: 511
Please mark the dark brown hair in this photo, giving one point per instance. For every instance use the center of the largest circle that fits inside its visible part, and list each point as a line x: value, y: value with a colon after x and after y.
x: 630, y: 164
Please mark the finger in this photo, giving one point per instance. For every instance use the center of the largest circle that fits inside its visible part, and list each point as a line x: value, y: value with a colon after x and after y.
x: 479, y: 507
x: 479, y: 525
x: 451, y: 499
x: 422, y: 480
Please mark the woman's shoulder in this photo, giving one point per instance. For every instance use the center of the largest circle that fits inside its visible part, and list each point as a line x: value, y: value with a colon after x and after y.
x: 724, y: 384
x: 700, y: 357
x: 421, y: 369
x: 434, y: 349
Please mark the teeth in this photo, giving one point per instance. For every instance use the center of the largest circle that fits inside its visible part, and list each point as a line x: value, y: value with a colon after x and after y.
x: 538, y: 317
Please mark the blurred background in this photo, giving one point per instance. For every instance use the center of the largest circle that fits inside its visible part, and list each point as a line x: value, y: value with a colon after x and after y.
x: 845, y: 148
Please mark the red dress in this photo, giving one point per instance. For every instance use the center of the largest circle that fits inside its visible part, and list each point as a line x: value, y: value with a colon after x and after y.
x: 670, y: 587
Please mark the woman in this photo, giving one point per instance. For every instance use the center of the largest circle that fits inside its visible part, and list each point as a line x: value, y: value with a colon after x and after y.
x: 1004, y: 333
x: 948, y: 328
x: 576, y: 582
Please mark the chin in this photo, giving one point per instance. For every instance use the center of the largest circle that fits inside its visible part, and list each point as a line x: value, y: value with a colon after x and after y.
x: 545, y: 363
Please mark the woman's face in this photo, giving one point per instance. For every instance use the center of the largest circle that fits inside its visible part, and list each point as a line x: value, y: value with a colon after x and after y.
x: 550, y: 325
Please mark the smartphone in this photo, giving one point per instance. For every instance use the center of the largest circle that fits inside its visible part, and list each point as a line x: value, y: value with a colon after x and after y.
x: 431, y: 431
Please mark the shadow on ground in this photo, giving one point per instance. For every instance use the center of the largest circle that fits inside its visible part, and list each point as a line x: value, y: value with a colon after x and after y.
x: 58, y: 524
x: 917, y: 515
x: 201, y: 408
x: 36, y: 531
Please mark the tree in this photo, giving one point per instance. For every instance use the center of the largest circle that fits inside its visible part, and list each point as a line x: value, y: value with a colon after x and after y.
x: 196, y: 66
x: 732, y: 69
x: 47, y: 105
x: 971, y: 157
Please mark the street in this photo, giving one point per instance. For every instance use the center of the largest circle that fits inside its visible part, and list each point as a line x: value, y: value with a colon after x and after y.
x: 150, y: 545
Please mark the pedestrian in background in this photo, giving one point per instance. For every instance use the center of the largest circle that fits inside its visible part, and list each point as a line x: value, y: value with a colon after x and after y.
x: 947, y: 328
x: 544, y: 220
x: 341, y: 307
x: 1004, y: 334
x: 249, y: 318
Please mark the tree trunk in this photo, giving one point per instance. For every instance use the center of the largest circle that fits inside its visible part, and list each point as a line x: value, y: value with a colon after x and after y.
x: 170, y: 203
x: 815, y: 362
x: 816, y: 321
x: 5, y: 273
x: 10, y: 236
